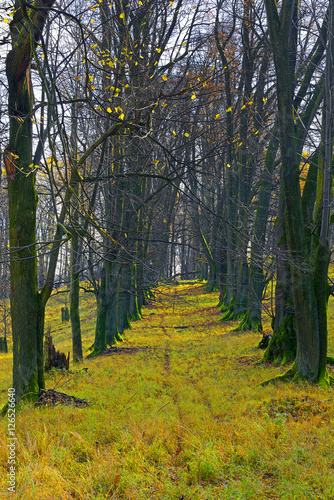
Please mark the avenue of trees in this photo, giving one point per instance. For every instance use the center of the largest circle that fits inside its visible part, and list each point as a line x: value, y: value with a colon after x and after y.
x: 167, y: 139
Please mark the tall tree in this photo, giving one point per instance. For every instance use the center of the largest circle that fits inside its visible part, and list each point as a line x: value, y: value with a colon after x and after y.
x: 27, y: 307
x: 308, y: 269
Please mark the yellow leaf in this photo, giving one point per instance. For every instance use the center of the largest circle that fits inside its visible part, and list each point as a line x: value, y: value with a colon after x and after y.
x: 156, y: 162
x: 243, y: 107
x: 164, y: 78
x: 92, y: 87
x: 217, y: 116
x: 264, y: 99
x: 122, y: 15
x: 174, y: 132
x: 186, y: 134
x: 193, y: 96
x: 5, y: 21
x: 109, y: 110
x: 228, y: 165
x: 229, y: 110
x: 140, y: 2
x: 158, y: 50
x: 121, y: 116
x: 92, y: 21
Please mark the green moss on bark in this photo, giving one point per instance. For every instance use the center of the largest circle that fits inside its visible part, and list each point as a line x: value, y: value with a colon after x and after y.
x: 283, y: 344
x: 250, y: 321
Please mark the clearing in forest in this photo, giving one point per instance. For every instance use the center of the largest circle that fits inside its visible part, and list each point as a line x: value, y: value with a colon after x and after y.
x: 176, y: 412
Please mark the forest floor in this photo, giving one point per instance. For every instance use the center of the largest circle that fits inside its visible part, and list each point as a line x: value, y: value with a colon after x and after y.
x: 176, y: 413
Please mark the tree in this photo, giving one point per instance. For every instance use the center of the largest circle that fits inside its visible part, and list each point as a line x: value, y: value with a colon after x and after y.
x: 27, y: 304
x: 309, y: 256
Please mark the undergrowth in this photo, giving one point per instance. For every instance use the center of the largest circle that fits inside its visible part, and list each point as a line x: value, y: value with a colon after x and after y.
x: 182, y: 417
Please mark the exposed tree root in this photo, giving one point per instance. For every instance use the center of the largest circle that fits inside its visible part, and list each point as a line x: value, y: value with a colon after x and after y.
x: 248, y: 322
x: 94, y: 352
x: 293, y: 376
x: 289, y: 376
x: 283, y: 344
x: 231, y: 315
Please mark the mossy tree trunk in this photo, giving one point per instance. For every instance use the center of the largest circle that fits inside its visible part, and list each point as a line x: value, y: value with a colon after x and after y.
x: 308, y: 270
x: 283, y: 344
x: 100, y: 342
x: 74, y: 300
x: 27, y: 305
x: 75, y: 247
x: 253, y: 317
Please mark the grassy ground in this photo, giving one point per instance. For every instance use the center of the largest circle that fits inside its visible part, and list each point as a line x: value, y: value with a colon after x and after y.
x: 183, y: 417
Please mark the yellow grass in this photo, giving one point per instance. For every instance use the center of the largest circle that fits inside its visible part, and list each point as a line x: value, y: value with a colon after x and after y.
x: 182, y: 418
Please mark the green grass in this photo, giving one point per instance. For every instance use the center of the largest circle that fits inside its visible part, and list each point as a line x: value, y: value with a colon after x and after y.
x: 182, y: 418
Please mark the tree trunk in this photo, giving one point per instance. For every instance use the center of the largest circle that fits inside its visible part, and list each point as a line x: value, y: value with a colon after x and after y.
x: 27, y: 308
x: 310, y: 326
x: 74, y: 300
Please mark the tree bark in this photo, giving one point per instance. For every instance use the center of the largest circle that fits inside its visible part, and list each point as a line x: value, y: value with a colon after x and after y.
x: 310, y: 328
x: 27, y: 307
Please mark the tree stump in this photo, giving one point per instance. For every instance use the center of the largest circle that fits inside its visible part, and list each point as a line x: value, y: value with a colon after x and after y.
x: 54, y: 358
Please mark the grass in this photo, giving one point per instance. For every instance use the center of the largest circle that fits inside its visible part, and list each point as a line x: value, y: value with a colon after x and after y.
x: 184, y: 417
